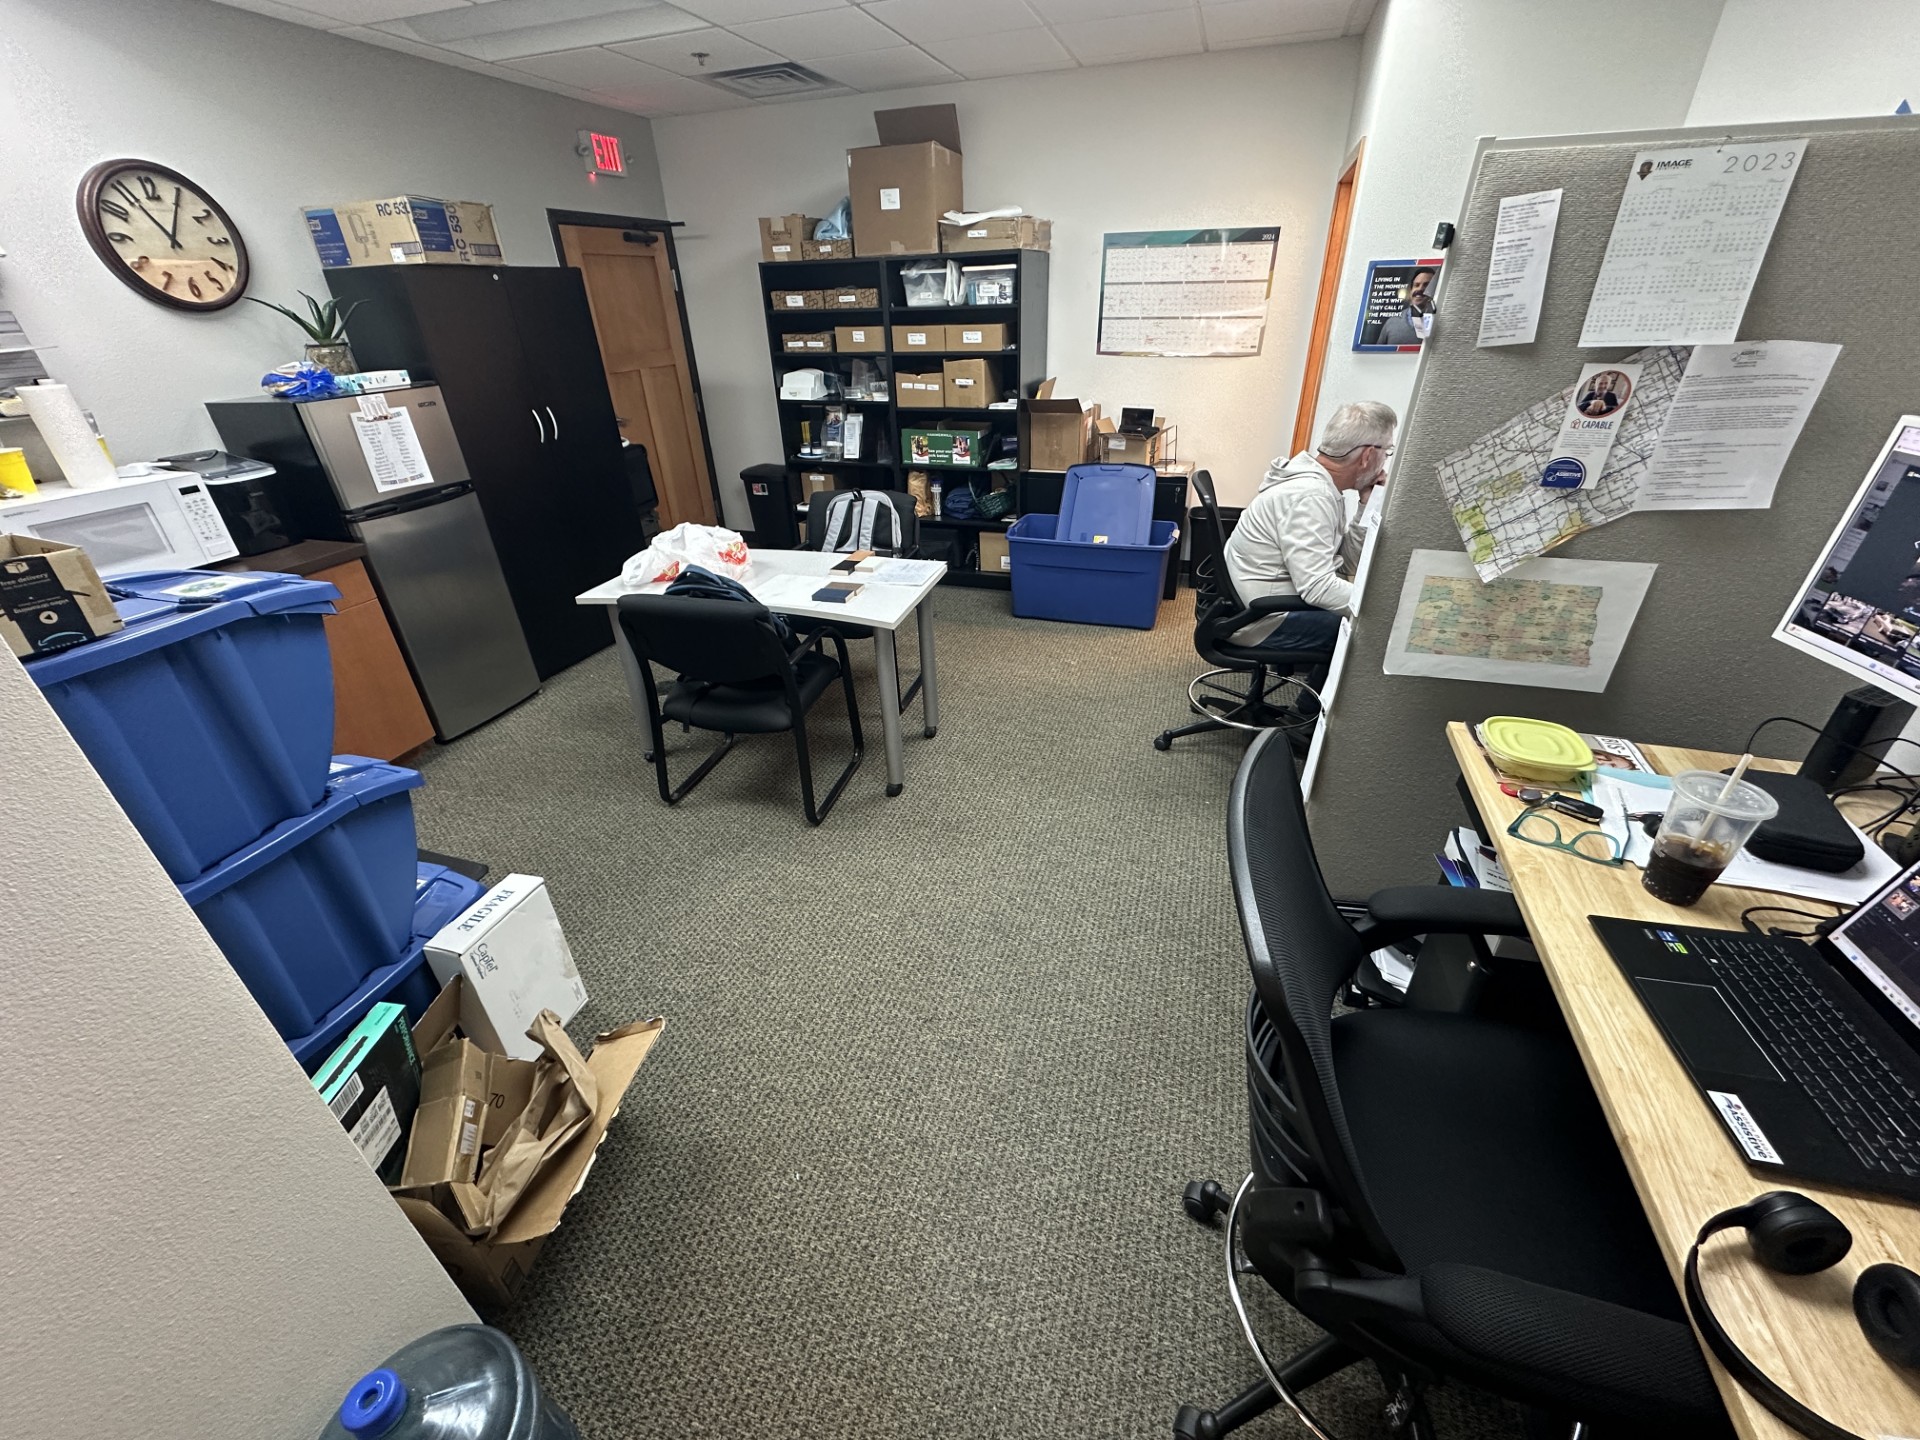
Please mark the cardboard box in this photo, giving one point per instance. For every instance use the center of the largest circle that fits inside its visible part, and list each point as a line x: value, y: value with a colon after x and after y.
x: 405, y: 230
x: 782, y: 237
x: 826, y: 249
x: 919, y: 337
x: 796, y: 300
x: 994, y: 556
x: 851, y: 298
x: 511, y: 949
x: 1055, y: 434
x: 969, y: 384
x: 919, y: 392
x: 902, y: 186
x: 958, y: 447
x: 813, y: 342
x: 455, y: 1086
x: 1115, y: 447
x: 371, y: 1083
x: 51, y: 597
x: 812, y: 482
x: 860, y: 339
x: 491, y: 1268
x: 1002, y: 232
x: 977, y: 337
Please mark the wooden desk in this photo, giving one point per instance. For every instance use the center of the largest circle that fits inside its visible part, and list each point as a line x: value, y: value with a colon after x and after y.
x: 1800, y: 1330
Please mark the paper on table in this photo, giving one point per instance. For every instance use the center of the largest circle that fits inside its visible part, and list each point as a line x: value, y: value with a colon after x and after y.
x: 392, y: 450
x: 1687, y: 242
x: 1554, y: 623
x: 1517, y: 271
x: 1637, y: 794
x: 1734, y: 421
x: 905, y: 572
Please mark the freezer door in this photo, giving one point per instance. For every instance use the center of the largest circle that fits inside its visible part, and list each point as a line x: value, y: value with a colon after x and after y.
x: 438, y: 574
x: 330, y: 424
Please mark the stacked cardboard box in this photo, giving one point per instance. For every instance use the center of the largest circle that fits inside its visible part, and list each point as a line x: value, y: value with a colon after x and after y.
x: 901, y: 187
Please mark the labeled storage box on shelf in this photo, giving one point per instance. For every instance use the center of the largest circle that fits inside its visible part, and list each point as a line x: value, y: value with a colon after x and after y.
x: 997, y: 232
x: 814, y: 342
x: 919, y: 337
x: 859, y: 339
x: 796, y: 299
x: 856, y: 297
x: 969, y: 384
x: 1087, y: 583
x: 782, y: 236
x: 310, y: 910
x: 826, y: 249
x: 210, y: 714
x: 919, y: 392
x: 977, y: 337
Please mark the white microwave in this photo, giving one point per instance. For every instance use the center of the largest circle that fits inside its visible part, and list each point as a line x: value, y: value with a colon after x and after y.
x: 160, y: 522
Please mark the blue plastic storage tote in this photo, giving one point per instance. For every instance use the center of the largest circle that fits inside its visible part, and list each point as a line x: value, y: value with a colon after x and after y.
x: 315, y: 906
x: 210, y: 716
x: 1107, y: 504
x: 1092, y: 584
x: 440, y: 895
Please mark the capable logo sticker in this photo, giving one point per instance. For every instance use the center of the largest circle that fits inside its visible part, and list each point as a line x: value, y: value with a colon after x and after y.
x: 1746, y: 1132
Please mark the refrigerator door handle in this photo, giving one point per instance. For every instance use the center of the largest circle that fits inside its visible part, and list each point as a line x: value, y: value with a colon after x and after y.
x: 552, y: 421
x: 539, y: 424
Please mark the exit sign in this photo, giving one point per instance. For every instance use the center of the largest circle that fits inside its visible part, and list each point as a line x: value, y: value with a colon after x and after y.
x: 602, y: 153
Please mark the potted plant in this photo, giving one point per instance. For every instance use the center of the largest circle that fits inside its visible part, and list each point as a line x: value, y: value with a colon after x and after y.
x: 326, y: 330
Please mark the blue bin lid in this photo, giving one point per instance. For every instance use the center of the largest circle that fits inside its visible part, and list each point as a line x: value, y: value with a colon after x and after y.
x: 353, y: 781
x: 1111, y: 500
x: 164, y: 607
x: 439, y: 896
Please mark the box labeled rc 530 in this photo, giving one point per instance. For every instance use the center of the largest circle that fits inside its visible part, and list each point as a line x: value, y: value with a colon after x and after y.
x: 510, y: 947
x: 405, y: 230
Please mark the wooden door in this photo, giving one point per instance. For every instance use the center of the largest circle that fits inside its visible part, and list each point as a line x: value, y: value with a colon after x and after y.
x: 636, y: 311
x: 1329, y: 298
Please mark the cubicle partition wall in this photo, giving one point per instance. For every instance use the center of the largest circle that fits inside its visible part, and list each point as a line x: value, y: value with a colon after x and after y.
x: 1699, y: 667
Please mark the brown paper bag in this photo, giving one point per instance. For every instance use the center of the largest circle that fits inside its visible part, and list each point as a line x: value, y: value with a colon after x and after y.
x: 559, y: 1109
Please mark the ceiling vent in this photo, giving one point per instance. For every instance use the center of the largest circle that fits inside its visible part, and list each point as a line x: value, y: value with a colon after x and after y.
x: 772, y: 82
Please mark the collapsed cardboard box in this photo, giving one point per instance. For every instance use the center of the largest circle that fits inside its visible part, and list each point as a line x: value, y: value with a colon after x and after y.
x: 782, y: 237
x: 901, y: 187
x: 404, y: 230
x: 1055, y: 434
x: 501, y: 1146
x: 998, y: 232
x: 51, y: 597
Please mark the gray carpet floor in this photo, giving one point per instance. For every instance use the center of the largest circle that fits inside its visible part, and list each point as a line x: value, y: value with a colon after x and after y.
x: 907, y: 1160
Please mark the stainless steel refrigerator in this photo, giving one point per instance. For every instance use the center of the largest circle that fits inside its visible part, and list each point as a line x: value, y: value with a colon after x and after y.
x: 345, y: 475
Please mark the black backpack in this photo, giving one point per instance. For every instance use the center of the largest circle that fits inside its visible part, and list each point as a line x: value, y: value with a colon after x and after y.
x: 705, y: 585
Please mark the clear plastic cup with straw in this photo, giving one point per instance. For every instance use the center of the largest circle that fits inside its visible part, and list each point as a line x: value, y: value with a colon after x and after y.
x: 1709, y: 819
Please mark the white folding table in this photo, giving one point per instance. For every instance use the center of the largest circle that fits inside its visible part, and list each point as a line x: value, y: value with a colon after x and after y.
x: 784, y: 580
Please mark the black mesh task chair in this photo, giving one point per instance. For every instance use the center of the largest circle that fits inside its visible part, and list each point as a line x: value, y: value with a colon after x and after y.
x: 1275, y: 682
x: 737, y: 676
x: 1437, y: 1192
x: 817, y: 538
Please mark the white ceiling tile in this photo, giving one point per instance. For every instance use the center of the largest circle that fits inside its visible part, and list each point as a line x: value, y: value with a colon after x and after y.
x: 735, y: 12
x: 1267, y: 22
x: 572, y: 34
x: 893, y: 69
x: 593, y: 69
x: 924, y: 20
x: 724, y: 51
x: 290, y: 13
x: 1017, y: 52
x: 845, y: 31
x: 1060, y: 12
x: 368, y: 12
x: 1132, y: 37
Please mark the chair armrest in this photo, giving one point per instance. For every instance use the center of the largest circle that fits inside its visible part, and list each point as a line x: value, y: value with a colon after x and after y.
x: 1274, y: 605
x: 1404, y: 911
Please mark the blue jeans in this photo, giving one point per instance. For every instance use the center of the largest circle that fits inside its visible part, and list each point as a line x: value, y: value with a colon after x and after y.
x: 1305, y: 630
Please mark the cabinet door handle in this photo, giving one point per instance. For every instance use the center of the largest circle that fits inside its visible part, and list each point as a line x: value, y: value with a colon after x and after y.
x: 552, y: 421
x: 539, y: 425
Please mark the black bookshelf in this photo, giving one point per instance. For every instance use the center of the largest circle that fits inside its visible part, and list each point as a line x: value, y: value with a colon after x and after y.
x: 1018, y: 369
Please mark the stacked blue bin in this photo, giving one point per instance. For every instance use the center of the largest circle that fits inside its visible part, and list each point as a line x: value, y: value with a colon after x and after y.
x: 210, y: 717
x: 1102, y: 560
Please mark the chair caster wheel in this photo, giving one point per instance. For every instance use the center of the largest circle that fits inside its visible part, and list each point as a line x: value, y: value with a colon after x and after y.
x: 1192, y: 1423
x: 893, y: 790
x: 931, y: 731
x: 1204, y: 1199
x: 1163, y: 742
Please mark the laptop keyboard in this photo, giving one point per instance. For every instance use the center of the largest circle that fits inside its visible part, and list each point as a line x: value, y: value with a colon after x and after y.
x: 1862, y: 1096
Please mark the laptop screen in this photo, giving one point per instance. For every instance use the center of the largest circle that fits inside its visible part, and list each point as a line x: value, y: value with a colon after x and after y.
x: 1882, y: 939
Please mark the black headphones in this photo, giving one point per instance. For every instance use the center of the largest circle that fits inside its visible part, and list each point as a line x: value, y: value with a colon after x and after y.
x: 1794, y: 1235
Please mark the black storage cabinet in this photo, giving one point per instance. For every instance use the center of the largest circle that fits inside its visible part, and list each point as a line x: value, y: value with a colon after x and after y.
x: 514, y: 353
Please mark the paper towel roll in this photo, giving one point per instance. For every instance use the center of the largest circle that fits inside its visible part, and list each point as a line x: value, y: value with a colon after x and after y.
x: 58, y: 418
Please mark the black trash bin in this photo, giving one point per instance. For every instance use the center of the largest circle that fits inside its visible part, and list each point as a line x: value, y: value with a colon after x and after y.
x: 770, y: 500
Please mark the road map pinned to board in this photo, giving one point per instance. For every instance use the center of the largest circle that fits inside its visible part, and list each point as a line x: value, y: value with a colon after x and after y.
x: 1493, y: 486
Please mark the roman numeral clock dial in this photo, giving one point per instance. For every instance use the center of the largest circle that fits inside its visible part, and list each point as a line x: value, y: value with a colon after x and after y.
x: 162, y: 235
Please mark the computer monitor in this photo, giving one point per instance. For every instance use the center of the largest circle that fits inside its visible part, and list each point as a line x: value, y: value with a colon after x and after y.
x: 1860, y: 607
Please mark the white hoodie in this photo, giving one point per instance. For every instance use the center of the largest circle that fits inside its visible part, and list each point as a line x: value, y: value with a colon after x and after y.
x: 1293, y: 540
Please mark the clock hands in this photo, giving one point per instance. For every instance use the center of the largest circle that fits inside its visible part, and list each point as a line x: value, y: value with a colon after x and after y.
x: 174, y: 233
x: 121, y: 186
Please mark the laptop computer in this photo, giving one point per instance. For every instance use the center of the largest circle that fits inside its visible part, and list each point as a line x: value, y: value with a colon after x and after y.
x: 1808, y: 1053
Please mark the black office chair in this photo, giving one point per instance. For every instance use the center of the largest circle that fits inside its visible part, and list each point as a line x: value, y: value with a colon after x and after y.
x: 1279, y: 687
x: 737, y: 676
x: 1439, y: 1193
x: 817, y: 538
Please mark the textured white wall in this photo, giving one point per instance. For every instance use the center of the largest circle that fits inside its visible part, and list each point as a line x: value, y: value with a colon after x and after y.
x: 195, y: 1249
x: 1787, y: 60
x: 1442, y: 73
x: 1249, y: 137
x: 269, y: 117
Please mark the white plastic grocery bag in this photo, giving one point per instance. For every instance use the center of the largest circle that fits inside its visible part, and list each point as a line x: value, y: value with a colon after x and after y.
x: 723, y: 552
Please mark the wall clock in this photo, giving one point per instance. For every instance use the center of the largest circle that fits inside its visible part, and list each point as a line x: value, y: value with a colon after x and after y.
x: 162, y: 235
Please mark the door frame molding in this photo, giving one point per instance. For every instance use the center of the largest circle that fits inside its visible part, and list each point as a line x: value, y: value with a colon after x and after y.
x: 592, y: 219
x: 1346, y: 191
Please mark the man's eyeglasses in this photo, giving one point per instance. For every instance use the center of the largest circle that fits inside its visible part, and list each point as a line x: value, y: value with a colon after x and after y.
x: 1536, y: 826
x: 1386, y: 452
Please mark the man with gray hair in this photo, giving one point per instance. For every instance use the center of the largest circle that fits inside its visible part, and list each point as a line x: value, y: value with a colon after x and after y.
x: 1294, y: 538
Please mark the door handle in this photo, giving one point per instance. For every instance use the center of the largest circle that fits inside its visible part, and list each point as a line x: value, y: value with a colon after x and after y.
x: 539, y: 425
x: 552, y: 421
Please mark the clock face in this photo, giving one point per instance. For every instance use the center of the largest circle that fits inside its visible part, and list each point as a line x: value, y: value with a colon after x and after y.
x: 162, y: 235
